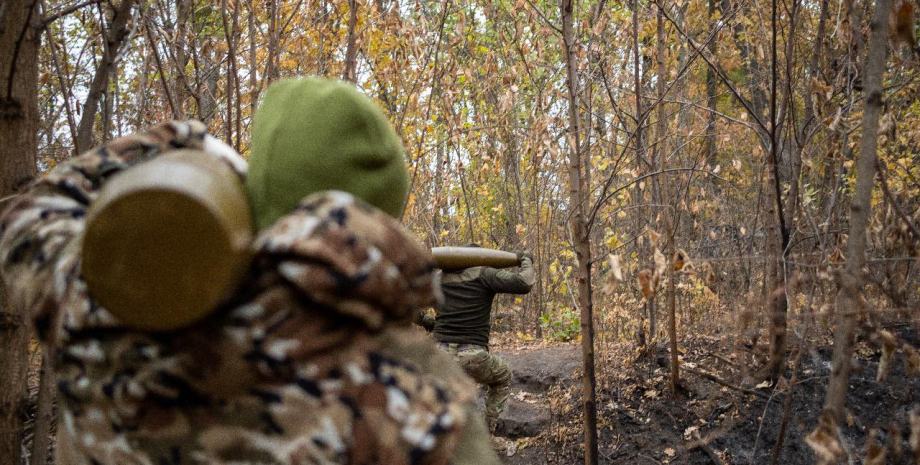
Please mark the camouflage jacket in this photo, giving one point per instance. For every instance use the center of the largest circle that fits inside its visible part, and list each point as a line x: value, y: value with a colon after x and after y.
x: 313, y: 361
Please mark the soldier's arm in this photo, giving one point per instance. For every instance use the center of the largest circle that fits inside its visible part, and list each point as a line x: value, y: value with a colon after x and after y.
x: 511, y: 282
x: 40, y: 228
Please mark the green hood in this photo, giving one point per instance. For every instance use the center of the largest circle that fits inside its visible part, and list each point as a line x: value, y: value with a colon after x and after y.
x: 313, y: 135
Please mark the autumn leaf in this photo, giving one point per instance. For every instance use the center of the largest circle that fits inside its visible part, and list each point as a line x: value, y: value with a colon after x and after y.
x: 660, y: 264
x: 889, y: 344
x: 825, y: 441
x: 653, y: 235
x: 615, y: 275
x: 914, y: 440
x: 681, y: 260
x: 708, y: 275
x: 911, y: 360
x: 645, y: 283
x: 875, y: 452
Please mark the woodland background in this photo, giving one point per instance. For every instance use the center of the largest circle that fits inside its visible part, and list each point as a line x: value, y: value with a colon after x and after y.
x: 676, y: 167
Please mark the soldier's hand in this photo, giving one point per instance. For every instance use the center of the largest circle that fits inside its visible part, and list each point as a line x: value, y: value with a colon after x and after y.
x: 522, y: 255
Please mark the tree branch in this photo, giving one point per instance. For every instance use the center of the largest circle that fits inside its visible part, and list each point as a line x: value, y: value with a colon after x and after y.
x: 47, y: 20
x: 893, y: 201
x: 719, y: 72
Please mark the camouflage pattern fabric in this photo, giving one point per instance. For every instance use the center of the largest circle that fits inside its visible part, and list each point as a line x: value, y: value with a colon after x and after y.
x: 487, y: 369
x: 312, y: 362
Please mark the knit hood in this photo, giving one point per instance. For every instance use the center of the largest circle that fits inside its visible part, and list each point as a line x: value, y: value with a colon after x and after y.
x: 312, y: 135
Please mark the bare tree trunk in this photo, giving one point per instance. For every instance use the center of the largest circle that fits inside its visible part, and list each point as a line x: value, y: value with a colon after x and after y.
x: 778, y: 236
x: 666, y: 198
x: 711, y: 88
x: 640, y: 152
x: 350, y: 51
x: 851, y: 278
x: 231, y: 29
x: 20, y: 36
x: 581, y: 240
x: 115, y: 36
x: 271, y: 66
x: 253, y: 60
x: 44, y: 410
x: 183, y: 12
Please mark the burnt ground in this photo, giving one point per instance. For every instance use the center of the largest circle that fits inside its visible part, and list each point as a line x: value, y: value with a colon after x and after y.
x: 641, y: 422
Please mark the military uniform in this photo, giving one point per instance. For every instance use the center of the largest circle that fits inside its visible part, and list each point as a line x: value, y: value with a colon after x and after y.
x: 310, y: 362
x: 462, y: 326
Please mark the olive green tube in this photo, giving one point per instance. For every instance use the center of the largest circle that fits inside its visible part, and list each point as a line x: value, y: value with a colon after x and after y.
x: 167, y: 240
x: 457, y: 258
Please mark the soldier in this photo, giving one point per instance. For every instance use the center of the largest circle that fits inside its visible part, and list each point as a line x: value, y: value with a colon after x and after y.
x: 311, y: 360
x: 462, y: 325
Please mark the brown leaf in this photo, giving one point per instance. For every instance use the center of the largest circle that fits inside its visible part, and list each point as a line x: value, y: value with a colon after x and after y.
x: 708, y: 275
x: 911, y: 360
x: 889, y: 344
x: 615, y: 275
x: 645, y: 283
x: 875, y: 452
x: 653, y: 235
x: 818, y: 87
x: 837, y: 256
x: 661, y: 265
x: 680, y: 259
x: 825, y: 441
x: 901, y: 25
x: 914, y: 440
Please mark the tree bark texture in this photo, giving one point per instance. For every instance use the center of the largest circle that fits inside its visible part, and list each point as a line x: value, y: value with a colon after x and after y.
x: 20, y: 36
x: 711, y: 89
x: 351, y: 50
x: 44, y: 410
x: 851, y: 279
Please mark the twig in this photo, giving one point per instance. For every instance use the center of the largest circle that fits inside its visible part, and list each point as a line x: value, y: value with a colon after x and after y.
x: 709, y: 452
x: 718, y: 380
x: 893, y: 201
x: 727, y: 361
x: 66, y: 11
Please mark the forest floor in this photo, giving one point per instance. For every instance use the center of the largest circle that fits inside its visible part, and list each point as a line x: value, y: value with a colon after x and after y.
x: 640, y: 421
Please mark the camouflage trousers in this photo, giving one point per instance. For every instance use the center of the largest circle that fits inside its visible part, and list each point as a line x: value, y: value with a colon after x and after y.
x: 487, y: 369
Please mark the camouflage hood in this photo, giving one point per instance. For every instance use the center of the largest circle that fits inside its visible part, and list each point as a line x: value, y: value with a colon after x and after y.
x: 351, y: 258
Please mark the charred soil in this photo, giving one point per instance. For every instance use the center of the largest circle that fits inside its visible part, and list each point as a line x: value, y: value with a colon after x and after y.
x: 721, y: 415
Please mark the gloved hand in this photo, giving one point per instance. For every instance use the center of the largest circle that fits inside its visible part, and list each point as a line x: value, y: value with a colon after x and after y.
x: 522, y: 255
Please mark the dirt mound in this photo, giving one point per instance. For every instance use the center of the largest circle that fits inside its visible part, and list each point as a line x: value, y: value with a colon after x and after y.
x: 535, y: 372
x: 539, y: 370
